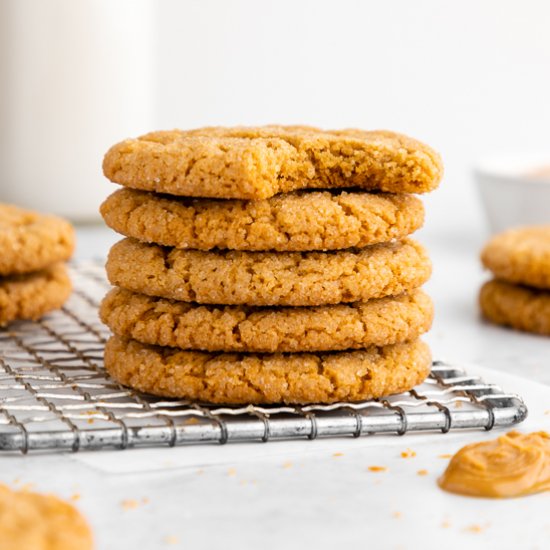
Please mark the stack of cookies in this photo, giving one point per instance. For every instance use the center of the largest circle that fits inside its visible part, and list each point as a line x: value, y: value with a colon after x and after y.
x: 519, y: 294
x: 33, y: 276
x: 268, y: 265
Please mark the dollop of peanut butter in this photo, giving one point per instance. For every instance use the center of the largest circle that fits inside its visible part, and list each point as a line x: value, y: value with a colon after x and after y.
x: 512, y: 465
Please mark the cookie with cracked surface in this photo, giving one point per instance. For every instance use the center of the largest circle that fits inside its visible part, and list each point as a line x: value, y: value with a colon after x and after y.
x: 520, y: 255
x: 162, y: 322
x: 268, y: 278
x: 290, y: 222
x: 32, y: 295
x: 295, y: 378
x: 30, y: 241
x: 519, y: 307
x: 30, y: 520
x: 260, y: 162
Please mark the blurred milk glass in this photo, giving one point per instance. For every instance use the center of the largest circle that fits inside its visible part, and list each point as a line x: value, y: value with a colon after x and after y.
x: 75, y: 77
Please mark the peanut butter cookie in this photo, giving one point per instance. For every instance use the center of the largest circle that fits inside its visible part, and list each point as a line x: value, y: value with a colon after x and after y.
x: 31, y: 521
x: 30, y: 241
x: 516, y: 306
x: 268, y: 278
x: 184, y: 325
x: 257, y: 163
x: 268, y: 378
x: 520, y: 255
x: 32, y: 295
x: 290, y: 222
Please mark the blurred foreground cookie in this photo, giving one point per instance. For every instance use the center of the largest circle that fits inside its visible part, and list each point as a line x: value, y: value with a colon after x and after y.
x: 31, y: 295
x: 31, y: 521
x: 257, y: 163
x: 290, y: 222
x: 516, y: 306
x: 269, y: 329
x: 268, y: 278
x: 521, y: 256
x: 30, y: 241
x: 298, y: 378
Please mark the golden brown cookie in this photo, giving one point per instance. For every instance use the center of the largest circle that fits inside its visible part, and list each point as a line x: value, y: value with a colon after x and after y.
x: 268, y: 278
x: 257, y: 163
x: 290, y: 222
x: 184, y: 325
x: 299, y: 378
x: 32, y: 295
x: 520, y: 255
x: 516, y: 306
x: 31, y: 521
x: 30, y: 241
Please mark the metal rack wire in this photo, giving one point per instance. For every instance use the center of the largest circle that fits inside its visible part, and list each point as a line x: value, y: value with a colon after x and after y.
x: 55, y: 395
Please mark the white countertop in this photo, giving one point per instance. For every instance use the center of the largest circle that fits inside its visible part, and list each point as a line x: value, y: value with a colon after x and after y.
x: 298, y: 493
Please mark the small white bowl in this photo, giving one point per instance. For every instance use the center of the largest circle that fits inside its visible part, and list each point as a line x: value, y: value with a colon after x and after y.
x: 513, y: 190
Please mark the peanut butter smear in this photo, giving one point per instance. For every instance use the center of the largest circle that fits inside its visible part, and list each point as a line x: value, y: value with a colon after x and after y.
x: 512, y: 465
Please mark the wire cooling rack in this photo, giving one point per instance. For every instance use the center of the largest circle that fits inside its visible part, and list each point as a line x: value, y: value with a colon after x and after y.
x: 55, y: 395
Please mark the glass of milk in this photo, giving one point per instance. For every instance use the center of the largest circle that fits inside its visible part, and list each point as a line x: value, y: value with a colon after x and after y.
x: 75, y: 77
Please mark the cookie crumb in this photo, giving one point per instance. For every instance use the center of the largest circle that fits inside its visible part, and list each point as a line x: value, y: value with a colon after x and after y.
x: 75, y: 497
x: 231, y: 472
x: 396, y: 515
x: 170, y: 539
x: 422, y: 472
x: 476, y: 528
x: 445, y: 455
x: 129, y: 504
x: 445, y: 524
x: 287, y: 465
x: 377, y: 469
x: 408, y: 453
x: 335, y: 455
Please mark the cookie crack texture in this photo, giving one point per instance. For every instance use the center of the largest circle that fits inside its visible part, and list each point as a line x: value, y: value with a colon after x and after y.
x: 268, y: 378
x: 183, y: 325
x: 263, y: 278
x: 315, y: 220
x: 257, y: 163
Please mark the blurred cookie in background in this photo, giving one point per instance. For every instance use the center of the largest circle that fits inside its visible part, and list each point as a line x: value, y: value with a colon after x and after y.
x: 519, y: 294
x: 41, y: 522
x: 33, y: 277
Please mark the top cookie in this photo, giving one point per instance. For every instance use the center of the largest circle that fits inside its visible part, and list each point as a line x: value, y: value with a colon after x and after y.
x: 257, y: 163
x: 300, y: 221
x: 30, y: 241
x: 520, y: 255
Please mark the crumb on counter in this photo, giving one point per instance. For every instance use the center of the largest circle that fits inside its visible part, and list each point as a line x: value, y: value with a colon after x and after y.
x: 129, y: 504
x: 408, y: 453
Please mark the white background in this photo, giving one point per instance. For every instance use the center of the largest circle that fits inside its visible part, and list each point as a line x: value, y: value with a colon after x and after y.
x: 470, y: 78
